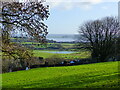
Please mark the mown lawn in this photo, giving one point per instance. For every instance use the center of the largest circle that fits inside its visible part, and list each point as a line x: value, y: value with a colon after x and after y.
x: 99, y: 75
x: 77, y: 55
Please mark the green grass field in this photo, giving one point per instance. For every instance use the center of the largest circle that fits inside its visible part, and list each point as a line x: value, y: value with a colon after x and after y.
x: 99, y: 75
x: 77, y: 55
x: 38, y: 45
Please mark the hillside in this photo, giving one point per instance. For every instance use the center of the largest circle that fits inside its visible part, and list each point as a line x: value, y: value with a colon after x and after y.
x: 97, y: 75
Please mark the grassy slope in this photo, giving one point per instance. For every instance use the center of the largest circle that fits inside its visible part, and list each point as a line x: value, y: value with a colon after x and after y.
x: 89, y: 75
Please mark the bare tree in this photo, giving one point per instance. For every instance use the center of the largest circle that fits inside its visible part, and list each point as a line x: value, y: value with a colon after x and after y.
x: 101, y: 34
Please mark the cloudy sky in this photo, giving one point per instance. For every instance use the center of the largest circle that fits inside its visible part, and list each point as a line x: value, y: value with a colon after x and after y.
x: 67, y: 15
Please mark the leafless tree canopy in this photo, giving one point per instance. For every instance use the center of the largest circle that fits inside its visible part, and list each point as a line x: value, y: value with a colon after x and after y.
x: 102, y: 36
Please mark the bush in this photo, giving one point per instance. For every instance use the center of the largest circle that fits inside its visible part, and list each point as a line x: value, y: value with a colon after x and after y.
x: 10, y: 64
x: 55, y: 59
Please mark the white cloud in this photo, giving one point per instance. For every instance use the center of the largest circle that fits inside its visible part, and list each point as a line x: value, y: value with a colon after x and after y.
x: 68, y: 4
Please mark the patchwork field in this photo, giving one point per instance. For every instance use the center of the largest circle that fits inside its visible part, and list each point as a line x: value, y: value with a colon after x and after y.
x: 99, y: 75
x: 39, y: 48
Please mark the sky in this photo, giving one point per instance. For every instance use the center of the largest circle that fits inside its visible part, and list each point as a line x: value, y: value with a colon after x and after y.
x: 66, y: 16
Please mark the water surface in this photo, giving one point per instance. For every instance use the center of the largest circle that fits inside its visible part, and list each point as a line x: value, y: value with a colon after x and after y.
x: 59, y: 52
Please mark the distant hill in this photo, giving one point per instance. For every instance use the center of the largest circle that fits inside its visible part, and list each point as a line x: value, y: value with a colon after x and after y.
x: 60, y: 37
x: 63, y: 37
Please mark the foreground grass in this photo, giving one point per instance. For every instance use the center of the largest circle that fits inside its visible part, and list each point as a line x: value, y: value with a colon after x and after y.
x: 99, y: 75
x: 77, y: 55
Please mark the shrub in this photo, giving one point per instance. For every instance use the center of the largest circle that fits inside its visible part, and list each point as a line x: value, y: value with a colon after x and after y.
x: 55, y: 59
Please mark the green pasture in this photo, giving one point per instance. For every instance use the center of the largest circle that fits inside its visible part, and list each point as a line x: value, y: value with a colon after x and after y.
x: 77, y: 55
x: 38, y: 45
x: 97, y: 75
x: 25, y: 41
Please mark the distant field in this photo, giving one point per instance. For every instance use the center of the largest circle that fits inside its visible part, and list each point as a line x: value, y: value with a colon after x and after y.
x: 48, y: 46
x: 38, y: 45
x: 51, y: 46
x: 99, y: 75
x: 82, y: 54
